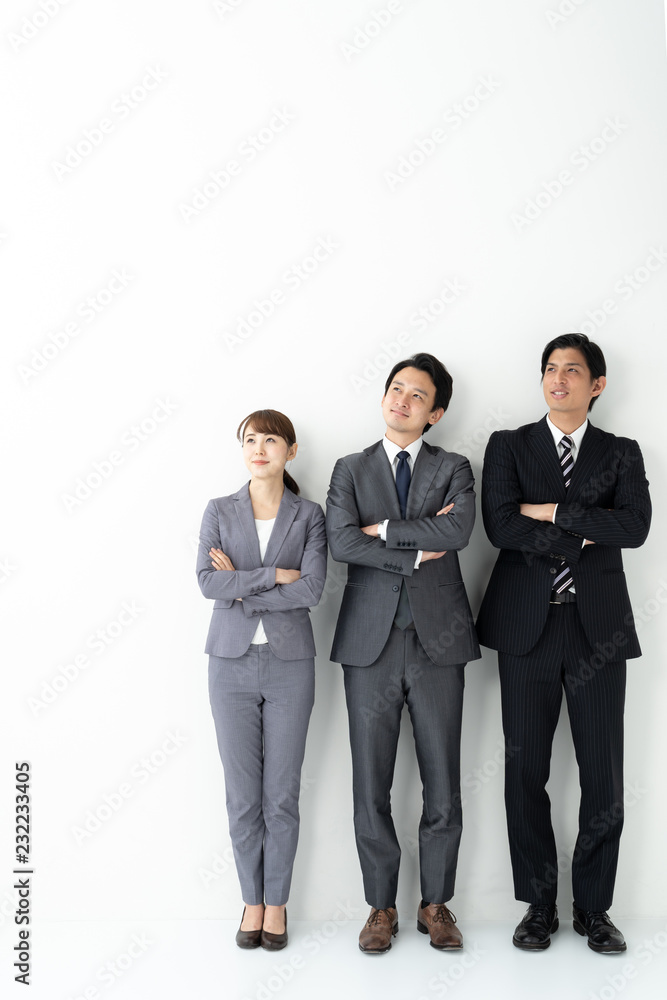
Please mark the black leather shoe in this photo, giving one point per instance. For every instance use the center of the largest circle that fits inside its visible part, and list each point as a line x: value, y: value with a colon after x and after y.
x: 248, y: 939
x: 598, y: 928
x: 274, y: 942
x: 535, y: 930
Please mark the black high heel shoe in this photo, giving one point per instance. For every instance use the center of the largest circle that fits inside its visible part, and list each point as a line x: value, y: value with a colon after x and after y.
x: 274, y: 942
x: 248, y: 939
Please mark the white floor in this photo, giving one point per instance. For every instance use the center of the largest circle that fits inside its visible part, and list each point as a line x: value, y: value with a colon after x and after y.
x: 198, y: 960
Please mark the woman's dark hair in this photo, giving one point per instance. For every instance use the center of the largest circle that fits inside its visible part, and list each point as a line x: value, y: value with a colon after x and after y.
x: 271, y: 422
x: 439, y: 376
x: 597, y: 365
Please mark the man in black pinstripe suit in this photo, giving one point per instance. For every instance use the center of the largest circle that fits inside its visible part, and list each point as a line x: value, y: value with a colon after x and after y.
x: 560, y: 499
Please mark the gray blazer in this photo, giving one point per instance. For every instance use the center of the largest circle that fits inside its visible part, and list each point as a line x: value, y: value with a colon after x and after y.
x: 362, y: 492
x: 298, y: 541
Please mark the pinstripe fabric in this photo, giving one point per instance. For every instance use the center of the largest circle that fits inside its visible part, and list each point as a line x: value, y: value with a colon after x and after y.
x: 580, y: 647
x: 607, y: 502
x: 532, y: 688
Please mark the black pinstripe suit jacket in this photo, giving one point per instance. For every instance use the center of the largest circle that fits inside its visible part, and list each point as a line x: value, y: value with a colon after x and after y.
x: 607, y: 502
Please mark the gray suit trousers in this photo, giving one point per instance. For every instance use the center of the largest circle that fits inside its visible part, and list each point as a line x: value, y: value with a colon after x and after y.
x: 261, y: 706
x: 375, y: 695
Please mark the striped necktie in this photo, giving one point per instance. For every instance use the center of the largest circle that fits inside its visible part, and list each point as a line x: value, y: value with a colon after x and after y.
x: 563, y: 580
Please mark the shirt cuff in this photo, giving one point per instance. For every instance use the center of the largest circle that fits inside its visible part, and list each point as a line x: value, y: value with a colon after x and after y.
x: 382, y: 530
x: 553, y: 516
x: 420, y: 553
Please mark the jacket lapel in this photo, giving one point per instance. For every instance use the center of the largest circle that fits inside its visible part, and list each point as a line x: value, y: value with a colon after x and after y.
x: 286, y: 513
x: 381, y: 482
x: 593, y: 447
x: 243, y: 508
x: 427, y: 464
x: 541, y: 442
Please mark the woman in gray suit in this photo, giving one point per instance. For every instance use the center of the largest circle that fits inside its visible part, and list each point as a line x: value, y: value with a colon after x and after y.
x: 262, y: 559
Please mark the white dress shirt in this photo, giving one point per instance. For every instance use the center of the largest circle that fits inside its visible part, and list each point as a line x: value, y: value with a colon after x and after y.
x: 392, y: 451
x: 264, y: 529
x: 575, y: 437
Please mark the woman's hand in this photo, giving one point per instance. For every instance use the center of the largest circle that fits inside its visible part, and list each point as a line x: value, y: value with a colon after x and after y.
x: 219, y: 560
x: 287, y: 575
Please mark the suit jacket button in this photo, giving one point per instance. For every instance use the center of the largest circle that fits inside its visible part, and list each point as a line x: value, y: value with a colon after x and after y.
x: 551, y: 569
x: 394, y: 587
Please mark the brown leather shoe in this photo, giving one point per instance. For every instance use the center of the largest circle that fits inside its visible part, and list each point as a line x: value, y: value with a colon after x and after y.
x: 436, y: 920
x: 248, y: 939
x: 381, y: 926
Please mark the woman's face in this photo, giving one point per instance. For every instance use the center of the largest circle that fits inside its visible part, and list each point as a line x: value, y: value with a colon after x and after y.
x: 265, y: 455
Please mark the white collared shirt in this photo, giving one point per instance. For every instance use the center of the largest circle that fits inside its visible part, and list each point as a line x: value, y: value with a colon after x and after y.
x: 576, y: 438
x: 263, y: 529
x: 392, y: 452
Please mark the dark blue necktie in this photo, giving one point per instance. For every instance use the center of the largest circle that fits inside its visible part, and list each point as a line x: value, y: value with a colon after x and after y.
x: 403, y: 616
x: 403, y: 480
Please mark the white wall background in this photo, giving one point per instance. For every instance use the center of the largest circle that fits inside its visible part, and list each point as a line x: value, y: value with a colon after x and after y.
x: 83, y: 381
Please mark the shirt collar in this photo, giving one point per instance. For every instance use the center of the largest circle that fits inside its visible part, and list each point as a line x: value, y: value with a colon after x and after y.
x: 393, y: 450
x: 576, y: 435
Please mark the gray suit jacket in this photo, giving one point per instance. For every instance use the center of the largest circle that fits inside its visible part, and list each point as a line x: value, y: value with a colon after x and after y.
x: 298, y: 541
x: 362, y: 492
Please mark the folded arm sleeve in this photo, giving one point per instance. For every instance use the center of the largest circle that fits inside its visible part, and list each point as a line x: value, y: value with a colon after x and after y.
x: 442, y: 532
x: 348, y: 543
x: 505, y: 525
x: 225, y: 584
x: 307, y: 590
x: 626, y: 526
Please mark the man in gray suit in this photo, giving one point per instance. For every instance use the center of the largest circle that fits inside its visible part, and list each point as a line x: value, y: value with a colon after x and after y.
x: 397, y: 514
